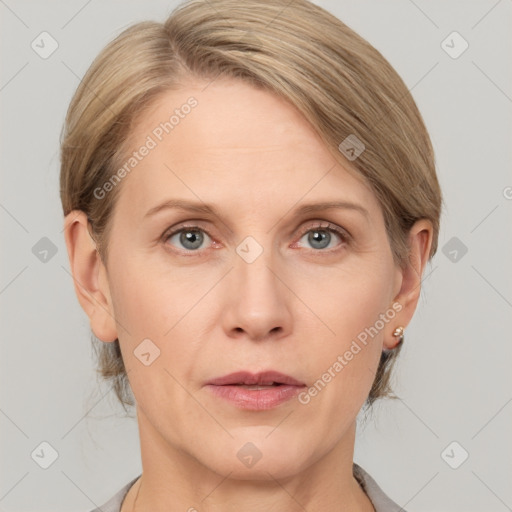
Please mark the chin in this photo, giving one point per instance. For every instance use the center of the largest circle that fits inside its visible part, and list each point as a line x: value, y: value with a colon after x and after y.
x: 256, y: 458
x: 263, y: 470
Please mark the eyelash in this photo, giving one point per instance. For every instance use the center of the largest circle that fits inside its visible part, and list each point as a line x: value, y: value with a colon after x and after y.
x: 332, y: 228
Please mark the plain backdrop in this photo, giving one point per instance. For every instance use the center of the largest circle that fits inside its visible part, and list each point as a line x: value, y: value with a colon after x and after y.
x: 454, y: 374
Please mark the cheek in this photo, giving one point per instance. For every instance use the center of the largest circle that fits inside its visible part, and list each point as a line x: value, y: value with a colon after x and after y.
x: 348, y: 299
x: 150, y: 304
x: 349, y: 306
x: 151, y: 299
x: 346, y: 356
x: 157, y: 343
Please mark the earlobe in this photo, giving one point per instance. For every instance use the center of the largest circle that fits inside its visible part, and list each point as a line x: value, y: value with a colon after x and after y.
x: 420, y: 242
x: 89, y: 276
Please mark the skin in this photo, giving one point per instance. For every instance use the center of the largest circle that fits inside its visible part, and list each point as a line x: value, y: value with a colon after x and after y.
x: 294, y: 309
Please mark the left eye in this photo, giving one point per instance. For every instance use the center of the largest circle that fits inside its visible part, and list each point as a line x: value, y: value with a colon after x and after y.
x: 321, y: 237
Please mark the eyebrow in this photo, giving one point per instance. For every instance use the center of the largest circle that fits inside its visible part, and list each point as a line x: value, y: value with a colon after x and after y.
x: 192, y: 206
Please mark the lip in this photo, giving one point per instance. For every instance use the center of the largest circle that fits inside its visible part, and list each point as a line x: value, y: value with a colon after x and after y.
x: 229, y: 387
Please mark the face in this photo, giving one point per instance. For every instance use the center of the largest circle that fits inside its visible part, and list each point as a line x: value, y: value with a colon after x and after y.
x: 257, y: 282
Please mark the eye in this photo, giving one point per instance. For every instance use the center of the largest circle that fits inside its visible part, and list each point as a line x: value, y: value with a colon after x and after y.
x: 191, y: 238
x: 320, y: 237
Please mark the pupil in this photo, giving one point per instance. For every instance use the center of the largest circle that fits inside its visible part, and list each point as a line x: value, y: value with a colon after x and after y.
x: 317, y: 237
x: 191, y: 237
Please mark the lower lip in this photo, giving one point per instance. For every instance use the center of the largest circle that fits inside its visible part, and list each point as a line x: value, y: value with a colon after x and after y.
x: 256, y: 399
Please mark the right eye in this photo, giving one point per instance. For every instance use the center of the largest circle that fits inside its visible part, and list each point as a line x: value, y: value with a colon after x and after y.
x: 191, y: 238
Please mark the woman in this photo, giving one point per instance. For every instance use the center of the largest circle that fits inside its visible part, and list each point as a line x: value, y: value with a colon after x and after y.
x: 250, y: 202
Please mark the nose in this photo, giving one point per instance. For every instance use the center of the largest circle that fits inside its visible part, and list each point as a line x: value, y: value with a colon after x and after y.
x: 257, y: 306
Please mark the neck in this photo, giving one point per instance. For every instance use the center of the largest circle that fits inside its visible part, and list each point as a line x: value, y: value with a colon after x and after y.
x: 172, y: 480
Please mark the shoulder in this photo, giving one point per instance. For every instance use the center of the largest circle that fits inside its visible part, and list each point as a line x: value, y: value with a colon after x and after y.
x: 380, y: 501
x: 114, y: 503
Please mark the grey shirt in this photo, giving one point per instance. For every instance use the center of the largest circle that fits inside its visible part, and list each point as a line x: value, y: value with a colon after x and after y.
x: 380, y: 501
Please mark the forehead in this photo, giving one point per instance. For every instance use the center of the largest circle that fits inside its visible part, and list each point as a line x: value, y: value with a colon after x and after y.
x: 227, y: 113
x: 226, y: 138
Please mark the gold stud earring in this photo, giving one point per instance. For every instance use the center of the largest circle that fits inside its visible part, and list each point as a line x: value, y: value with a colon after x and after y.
x: 399, y: 333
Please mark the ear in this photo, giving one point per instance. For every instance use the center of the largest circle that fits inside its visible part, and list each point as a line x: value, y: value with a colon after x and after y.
x: 409, y: 278
x: 89, y: 276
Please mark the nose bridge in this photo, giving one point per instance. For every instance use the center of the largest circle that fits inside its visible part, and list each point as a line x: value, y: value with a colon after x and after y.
x: 254, y: 268
x: 258, y: 301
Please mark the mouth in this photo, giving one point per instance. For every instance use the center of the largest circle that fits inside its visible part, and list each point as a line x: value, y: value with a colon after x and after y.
x: 256, y: 392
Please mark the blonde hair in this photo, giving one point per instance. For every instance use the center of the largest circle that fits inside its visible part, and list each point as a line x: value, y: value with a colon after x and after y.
x: 336, y: 79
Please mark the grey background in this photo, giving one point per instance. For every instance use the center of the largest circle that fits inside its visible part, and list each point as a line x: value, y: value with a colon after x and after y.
x: 454, y: 374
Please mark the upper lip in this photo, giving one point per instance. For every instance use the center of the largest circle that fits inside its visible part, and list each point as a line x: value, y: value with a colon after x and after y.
x: 261, y: 379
